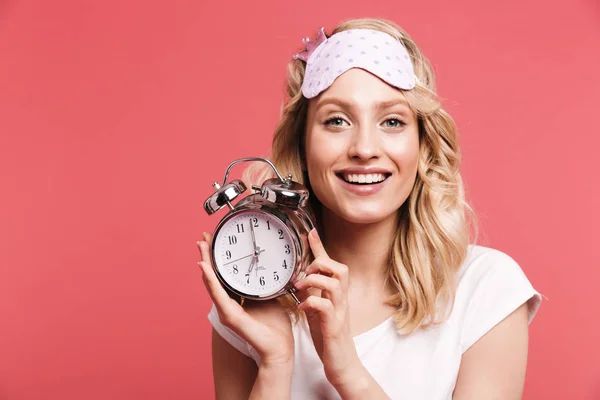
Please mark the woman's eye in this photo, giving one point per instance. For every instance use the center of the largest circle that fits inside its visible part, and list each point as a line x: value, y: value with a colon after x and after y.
x: 336, y: 121
x: 397, y: 123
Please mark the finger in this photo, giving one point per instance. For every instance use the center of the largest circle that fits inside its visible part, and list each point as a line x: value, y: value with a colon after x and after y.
x: 316, y: 245
x: 213, y: 286
x: 205, y: 281
x: 229, y: 310
x: 331, y: 268
x: 207, y: 238
x: 320, y: 305
x: 226, y: 306
x: 204, y: 251
x: 330, y: 287
x: 231, y: 314
x: 216, y: 291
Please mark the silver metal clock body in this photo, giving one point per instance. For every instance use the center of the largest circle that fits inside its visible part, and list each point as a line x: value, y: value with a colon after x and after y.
x: 268, y: 266
x: 260, y: 247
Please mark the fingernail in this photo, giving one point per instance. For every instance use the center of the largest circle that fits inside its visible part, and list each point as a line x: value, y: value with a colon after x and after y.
x: 205, y: 236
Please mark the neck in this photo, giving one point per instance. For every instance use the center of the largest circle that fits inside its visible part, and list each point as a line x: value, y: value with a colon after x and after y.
x: 364, y: 248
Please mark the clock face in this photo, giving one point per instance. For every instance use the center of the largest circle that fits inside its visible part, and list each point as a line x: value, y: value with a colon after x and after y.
x: 254, y: 253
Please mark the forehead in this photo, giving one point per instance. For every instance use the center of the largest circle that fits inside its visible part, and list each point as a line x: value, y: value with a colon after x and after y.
x: 358, y: 88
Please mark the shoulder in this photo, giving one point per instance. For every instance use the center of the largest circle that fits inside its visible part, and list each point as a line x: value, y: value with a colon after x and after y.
x: 487, y: 266
x: 490, y: 285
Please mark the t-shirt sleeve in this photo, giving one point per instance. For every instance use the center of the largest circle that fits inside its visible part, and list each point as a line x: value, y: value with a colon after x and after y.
x: 494, y: 287
x: 229, y: 335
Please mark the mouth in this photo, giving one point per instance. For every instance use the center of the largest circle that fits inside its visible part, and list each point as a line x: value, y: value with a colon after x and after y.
x: 363, y: 179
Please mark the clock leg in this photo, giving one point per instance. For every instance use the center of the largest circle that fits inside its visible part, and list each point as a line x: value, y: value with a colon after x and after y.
x: 292, y: 292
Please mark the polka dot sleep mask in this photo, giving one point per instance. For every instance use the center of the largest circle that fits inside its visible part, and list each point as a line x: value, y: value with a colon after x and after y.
x: 372, y: 50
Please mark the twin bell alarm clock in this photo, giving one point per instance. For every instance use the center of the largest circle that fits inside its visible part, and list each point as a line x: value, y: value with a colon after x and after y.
x: 260, y: 247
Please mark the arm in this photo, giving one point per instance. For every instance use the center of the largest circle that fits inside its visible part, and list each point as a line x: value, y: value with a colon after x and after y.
x: 361, y: 386
x: 494, y: 366
x: 266, y: 328
x: 237, y: 376
x: 233, y: 373
x: 327, y: 316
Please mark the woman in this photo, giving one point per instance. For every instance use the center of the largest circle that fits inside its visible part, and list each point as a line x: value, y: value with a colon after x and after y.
x: 397, y: 303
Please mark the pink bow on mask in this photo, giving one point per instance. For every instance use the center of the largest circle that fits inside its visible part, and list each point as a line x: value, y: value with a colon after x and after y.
x: 311, y: 46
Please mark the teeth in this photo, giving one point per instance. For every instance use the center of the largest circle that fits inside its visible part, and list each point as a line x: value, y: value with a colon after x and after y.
x: 364, y: 178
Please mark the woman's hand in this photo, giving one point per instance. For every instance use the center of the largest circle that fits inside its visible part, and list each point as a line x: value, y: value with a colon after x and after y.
x: 267, y: 328
x: 328, y: 318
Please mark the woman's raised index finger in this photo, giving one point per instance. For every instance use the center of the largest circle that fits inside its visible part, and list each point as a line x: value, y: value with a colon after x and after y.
x: 316, y: 245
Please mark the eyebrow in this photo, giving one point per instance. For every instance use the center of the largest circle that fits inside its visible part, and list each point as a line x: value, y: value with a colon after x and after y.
x: 350, y: 105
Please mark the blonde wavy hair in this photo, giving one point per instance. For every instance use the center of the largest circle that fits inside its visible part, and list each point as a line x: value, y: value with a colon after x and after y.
x: 434, y: 223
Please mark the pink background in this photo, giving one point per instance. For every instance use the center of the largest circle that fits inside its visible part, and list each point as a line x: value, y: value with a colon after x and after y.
x: 115, y: 116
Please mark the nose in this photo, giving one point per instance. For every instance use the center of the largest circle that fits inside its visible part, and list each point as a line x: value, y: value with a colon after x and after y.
x: 365, y: 143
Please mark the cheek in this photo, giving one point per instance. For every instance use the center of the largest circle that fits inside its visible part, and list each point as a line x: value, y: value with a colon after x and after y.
x: 322, y: 151
x: 405, y: 152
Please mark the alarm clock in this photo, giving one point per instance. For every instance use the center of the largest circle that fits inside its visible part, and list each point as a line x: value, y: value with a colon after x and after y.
x: 260, y: 247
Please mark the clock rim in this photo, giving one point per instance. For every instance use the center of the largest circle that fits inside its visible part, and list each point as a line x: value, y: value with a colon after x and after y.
x: 287, y: 223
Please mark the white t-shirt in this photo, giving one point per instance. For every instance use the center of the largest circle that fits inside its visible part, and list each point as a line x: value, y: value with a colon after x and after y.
x: 425, y: 363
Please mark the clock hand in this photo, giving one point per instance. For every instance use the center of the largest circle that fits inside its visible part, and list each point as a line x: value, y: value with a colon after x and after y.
x: 257, y: 249
x: 241, y: 258
x: 251, y: 264
x: 255, y: 260
x: 253, y: 235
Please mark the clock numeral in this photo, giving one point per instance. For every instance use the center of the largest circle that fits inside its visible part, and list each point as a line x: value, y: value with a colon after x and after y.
x: 262, y: 281
x: 268, y: 225
x: 275, y: 276
x: 284, y: 264
x: 232, y: 239
x: 247, y: 278
x: 235, y: 269
x: 228, y: 254
x: 287, y: 249
x: 280, y: 234
x: 254, y: 221
x: 240, y: 228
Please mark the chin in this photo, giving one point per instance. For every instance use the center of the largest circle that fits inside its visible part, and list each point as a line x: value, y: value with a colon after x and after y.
x: 365, y: 214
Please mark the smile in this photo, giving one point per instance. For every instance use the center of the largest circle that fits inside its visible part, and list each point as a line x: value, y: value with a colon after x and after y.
x: 363, y: 179
x: 363, y: 184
